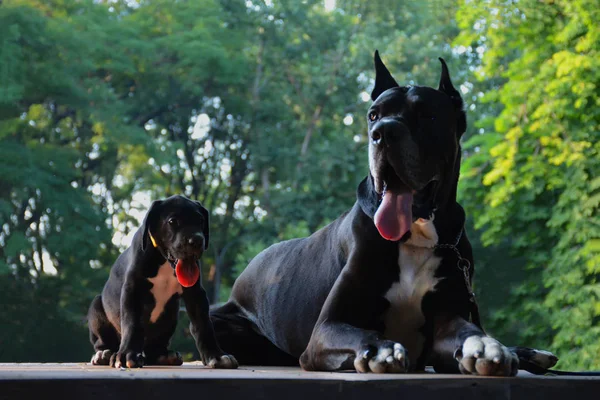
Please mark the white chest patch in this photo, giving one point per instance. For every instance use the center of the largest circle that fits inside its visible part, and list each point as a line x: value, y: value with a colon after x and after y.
x: 165, y: 285
x: 417, y: 267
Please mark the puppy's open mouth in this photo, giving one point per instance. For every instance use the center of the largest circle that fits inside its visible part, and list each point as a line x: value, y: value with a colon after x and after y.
x: 187, y: 270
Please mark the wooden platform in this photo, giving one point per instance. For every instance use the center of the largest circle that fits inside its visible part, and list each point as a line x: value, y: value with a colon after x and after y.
x: 194, y: 381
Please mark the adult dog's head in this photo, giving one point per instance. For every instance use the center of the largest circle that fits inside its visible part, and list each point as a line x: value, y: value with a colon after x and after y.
x: 178, y: 228
x: 414, y: 152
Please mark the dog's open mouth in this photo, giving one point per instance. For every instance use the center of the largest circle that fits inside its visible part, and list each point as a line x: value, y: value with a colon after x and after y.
x: 187, y: 271
x: 393, y: 217
x: 401, y: 204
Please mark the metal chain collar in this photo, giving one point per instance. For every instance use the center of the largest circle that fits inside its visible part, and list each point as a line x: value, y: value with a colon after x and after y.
x: 463, y: 265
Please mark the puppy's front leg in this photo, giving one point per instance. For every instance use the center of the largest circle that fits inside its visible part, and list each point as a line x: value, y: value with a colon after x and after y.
x: 462, y: 346
x: 132, y: 331
x: 196, y: 304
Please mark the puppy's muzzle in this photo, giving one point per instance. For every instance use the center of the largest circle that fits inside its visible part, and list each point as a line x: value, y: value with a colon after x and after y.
x: 196, y: 241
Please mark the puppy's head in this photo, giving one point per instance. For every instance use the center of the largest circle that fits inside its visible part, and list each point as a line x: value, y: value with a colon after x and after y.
x: 179, y: 228
x: 414, y: 134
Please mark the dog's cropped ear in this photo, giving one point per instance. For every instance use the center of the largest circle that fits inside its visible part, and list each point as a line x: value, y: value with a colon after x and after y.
x: 383, y: 78
x: 447, y: 87
x: 150, y: 221
x: 368, y: 199
x: 206, y: 216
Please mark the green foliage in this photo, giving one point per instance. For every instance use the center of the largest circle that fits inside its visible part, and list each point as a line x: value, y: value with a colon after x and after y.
x: 538, y: 167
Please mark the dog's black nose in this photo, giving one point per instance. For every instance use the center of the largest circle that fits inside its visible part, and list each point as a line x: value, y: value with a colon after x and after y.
x: 387, y: 131
x: 196, y: 240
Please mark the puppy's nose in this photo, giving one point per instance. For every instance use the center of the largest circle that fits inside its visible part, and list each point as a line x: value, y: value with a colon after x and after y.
x: 387, y: 131
x: 196, y: 240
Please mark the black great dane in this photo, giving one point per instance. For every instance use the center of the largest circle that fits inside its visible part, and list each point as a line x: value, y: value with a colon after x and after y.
x: 132, y: 322
x: 387, y: 286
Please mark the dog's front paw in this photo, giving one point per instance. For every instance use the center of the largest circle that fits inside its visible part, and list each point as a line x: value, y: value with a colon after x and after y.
x: 102, y: 357
x: 129, y: 359
x: 483, y: 355
x: 384, y: 356
x: 224, y: 361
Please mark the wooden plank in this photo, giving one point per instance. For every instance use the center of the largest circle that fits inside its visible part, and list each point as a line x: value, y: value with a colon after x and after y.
x: 83, y: 381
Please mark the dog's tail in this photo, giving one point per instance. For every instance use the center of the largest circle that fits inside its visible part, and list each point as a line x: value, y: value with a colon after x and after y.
x: 540, y: 362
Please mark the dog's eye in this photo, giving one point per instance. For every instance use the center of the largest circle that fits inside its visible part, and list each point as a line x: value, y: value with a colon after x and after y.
x: 372, y: 116
x: 173, y: 221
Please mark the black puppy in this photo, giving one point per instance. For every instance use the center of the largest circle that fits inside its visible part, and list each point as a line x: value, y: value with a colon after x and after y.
x: 132, y: 322
x: 387, y: 286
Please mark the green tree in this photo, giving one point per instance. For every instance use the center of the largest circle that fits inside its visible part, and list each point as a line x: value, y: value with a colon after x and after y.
x: 535, y: 166
x: 52, y: 157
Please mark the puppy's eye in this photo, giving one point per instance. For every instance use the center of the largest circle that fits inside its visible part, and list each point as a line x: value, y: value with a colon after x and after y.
x: 372, y: 116
x: 173, y: 221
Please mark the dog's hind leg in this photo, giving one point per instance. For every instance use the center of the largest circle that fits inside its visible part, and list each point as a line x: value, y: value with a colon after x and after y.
x: 237, y: 335
x: 533, y: 360
x: 103, y: 335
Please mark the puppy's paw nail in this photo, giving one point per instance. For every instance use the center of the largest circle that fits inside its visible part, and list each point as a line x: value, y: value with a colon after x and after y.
x: 496, y: 360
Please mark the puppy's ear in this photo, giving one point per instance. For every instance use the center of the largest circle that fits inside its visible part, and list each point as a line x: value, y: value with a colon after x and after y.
x: 206, y: 216
x: 149, y: 223
x: 368, y: 199
x: 383, y: 78
x: 447, y: 87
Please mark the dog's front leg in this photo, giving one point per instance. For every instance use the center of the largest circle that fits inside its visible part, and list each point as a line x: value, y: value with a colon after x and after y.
x: 338, y: 346
x: 132, y: 332
x: 197, y: 306
x: 339, y: 342
x: 459, y: 345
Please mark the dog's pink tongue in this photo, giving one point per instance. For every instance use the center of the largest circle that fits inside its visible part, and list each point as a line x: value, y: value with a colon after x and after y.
x: 394, y: 215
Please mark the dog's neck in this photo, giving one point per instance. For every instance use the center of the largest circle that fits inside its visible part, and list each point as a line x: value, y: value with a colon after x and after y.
x: 423, y: 234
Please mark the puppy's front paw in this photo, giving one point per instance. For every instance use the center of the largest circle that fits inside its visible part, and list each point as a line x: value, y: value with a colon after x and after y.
x: 483, y: 355
x: 384, y: 356
x: 102, y: 357
x: 224, y: 361
x: 129, y: 359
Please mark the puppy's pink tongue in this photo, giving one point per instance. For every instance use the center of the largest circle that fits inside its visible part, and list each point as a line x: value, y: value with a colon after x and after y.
x: 394, y: 215
x: 187, y: 272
